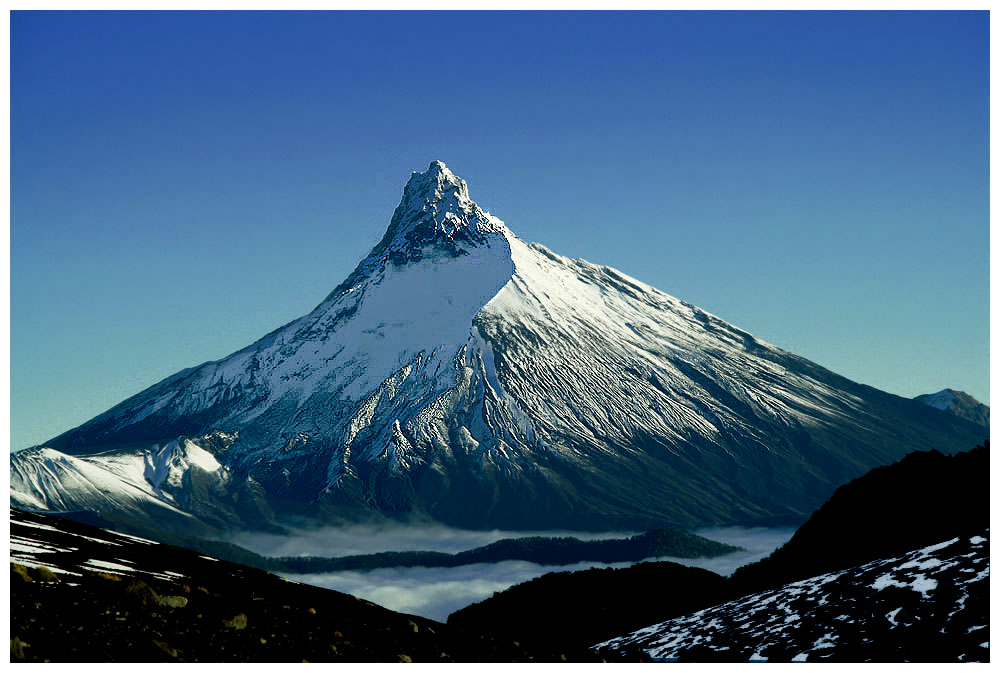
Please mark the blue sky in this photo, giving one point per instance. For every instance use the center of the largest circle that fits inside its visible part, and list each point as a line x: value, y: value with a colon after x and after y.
x: 183, y: 183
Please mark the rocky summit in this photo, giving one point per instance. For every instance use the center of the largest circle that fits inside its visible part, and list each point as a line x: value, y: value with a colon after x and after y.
x: 462, y: 375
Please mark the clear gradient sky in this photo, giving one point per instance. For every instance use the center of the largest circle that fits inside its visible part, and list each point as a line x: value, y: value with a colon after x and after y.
x: 183, y: 183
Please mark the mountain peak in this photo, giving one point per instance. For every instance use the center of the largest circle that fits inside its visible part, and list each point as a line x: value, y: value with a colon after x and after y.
x: 434, y: 186
x: 435, y: 209
x: 437, y: 169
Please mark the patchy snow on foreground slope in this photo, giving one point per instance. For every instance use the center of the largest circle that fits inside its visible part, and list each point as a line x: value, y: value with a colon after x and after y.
x: 929, y: 605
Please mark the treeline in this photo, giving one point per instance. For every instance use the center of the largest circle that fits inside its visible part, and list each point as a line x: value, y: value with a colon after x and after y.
x: 553, y: 551
x: 542, y: 550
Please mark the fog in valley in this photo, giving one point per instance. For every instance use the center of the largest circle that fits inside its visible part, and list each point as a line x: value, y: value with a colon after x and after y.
x: 370, y: 539
x: 758, y: 542
x: 437, y: 592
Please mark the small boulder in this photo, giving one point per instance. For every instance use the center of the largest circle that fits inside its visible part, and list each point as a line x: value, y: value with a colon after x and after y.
x: 239, y: 622
x: 46, y: 575
x: 166, y: 648
x: 21, y: 572
x: 173, y: 601
x: 142, y: 592
x: 17, y: 647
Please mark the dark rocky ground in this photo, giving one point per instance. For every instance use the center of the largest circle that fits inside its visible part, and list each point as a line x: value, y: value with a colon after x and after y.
x: 163, y: 603
x: 930, y: 606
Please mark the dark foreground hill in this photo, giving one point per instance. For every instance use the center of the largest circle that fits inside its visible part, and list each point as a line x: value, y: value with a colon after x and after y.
x: 930, y: 605
x: 106, y: 597
x: 587, y: 606
x: 924, y: 499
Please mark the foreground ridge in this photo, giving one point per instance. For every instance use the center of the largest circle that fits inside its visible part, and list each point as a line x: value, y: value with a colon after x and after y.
x: 84, y: 594
x: 930, y: 605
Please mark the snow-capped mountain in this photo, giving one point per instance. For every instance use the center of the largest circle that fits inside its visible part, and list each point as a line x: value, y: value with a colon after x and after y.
x: 929, y: 605
x: 465, y: 375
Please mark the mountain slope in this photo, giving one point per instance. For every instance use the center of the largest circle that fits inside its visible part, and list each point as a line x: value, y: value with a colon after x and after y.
x: 930, y: 605
x: 463, y: 375
x: 921, y: 500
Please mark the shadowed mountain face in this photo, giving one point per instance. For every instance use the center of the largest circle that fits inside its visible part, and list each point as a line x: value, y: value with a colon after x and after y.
x: 462, y: 375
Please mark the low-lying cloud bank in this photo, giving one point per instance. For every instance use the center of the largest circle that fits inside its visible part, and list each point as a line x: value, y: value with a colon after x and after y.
x: 370, y: 539
x: 437, y: 592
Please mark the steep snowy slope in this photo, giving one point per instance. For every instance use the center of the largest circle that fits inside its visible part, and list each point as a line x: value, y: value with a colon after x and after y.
x: 463, y: 374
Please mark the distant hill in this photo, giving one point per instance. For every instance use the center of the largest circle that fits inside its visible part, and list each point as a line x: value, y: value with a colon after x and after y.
x: 554, y: 551
x: 958, y: 403
x: 542, y: 550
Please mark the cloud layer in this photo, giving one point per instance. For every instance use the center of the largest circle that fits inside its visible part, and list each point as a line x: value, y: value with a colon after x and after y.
x: 437, y: 592
x: 369, y: 539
